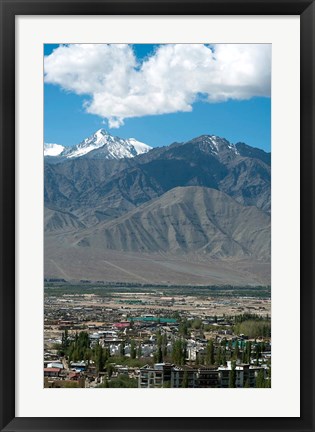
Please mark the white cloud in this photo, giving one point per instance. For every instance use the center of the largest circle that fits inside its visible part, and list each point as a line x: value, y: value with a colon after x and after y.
x: 168, y: 81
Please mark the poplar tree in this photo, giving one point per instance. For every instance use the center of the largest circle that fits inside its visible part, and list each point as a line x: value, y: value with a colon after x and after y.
x: 247, y: 384
x: 164, y: 345
x: 133, y: 352
x: 210, y: 353
x: 260, y: 379
x: 232, y: 377
x: 249, y: 351
x: 218, y: 359
x: 139, y: 351
x: 236, y: 351
x: 224, y: 356
x: 122, y: 349
x: 99, y: 358
x: 185, y: 379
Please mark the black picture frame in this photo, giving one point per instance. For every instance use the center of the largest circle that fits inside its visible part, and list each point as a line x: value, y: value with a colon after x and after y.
x: 9, y: 10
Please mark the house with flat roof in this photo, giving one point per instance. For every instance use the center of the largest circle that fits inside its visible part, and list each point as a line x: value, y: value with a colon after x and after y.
x: 52, y: 372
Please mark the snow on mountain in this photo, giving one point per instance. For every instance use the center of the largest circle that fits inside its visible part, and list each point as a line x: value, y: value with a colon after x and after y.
x: 103, y: 145
x: 53, y: 149
x: 217, y: 145
x: 139, y: 146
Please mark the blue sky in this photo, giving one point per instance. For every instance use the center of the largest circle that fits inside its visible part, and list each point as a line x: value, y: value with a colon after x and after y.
x: 72, y: 113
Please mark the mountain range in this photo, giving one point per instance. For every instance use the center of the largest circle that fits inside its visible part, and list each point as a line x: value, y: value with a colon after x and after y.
x: 119, y: 210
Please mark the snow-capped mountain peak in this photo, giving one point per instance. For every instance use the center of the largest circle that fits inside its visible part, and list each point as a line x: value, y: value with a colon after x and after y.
x: 103, y: 145
x: 51, y: 149
x: 101, y: 132
x: 98, y: 137
x: 93, y: 142
x: 216, y: 144
x: 139, y: 146
x: 118, y: 148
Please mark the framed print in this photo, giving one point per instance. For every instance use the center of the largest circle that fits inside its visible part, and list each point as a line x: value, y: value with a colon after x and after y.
x: 157, y: 216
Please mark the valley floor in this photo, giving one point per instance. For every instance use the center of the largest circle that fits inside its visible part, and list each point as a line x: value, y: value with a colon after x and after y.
x: 73, y: 263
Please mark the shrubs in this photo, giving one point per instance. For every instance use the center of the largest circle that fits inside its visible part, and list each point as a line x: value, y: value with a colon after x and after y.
x: 254, y: 328
x: 122, y: 381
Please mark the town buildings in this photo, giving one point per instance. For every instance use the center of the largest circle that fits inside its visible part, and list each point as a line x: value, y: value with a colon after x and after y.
x: 169, y: 375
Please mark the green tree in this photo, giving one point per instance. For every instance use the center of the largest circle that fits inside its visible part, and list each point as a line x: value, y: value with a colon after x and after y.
x: 185, y: 379
x: 107, y: 353
x: 183, y: 328
x: 122, y: 349
x: 196, y: 324
x: 164, y: 345
x: 223, y: 356
x: 218, y: 358
x: 184, y: 355
x: 232, y: 377
x: 77, y: 349
x: 133, y: 351
x: 210, y: 353
x: 109, y: 370
x: 178, y: 352
x: 122, y: 381
x: 139, y: 351
x: 76, y: 355
x: 253, y: 327
x: 159, y: 354
x: 70, y: 353
x: 99, y: 358
x: 87, y: 356
x: 268, y: 381
x: 236, y: 351
x: 244, y: 355
x: 260, y: 379
x: 258, y: 351
x: 249, y: 352
x: 65, y: 341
